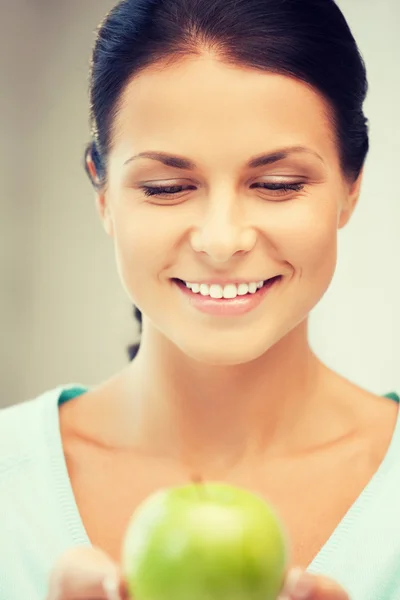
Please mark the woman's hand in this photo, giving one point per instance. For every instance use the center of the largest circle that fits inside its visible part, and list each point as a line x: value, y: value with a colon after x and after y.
x: 86, y: 574
x: 89, y: 574
x: 300, y: 585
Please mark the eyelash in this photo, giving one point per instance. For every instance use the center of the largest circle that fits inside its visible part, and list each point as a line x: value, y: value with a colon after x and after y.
x: 281, y: 188
x: 159, y: 191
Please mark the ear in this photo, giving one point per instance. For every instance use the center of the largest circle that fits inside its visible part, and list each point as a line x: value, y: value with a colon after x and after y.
x: 103, y: 208
x: 352, y: 194
x: 101, y: 196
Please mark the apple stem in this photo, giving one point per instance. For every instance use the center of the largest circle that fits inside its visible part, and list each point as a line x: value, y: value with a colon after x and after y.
x: 199, y: 483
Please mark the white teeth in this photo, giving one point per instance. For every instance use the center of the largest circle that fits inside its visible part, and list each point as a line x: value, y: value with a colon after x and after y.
x: 228, y: 291
x: 216, y: 291
x: 242, y: 289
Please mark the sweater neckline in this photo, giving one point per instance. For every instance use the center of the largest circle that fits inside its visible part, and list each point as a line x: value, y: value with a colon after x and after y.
x: 79, y: 536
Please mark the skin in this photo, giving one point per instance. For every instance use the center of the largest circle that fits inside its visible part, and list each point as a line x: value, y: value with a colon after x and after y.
x: 235, y: 397
x: 224, y: 227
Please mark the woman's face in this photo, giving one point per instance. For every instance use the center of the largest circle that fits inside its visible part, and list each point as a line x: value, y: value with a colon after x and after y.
x: 241, y: 184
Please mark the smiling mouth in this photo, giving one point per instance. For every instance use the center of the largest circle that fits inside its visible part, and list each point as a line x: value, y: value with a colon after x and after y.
x: 228, y: 291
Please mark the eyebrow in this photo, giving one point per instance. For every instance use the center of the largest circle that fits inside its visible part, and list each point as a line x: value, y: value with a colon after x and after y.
x: 179, y: 162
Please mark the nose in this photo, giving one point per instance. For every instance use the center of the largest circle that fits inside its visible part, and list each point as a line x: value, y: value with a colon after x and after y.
x: 223, y: 232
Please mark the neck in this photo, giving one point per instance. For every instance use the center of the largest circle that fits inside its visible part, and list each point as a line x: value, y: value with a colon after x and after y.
x: 212, y: 417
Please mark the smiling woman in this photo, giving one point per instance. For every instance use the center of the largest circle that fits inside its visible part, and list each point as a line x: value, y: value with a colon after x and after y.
x: 228, y: 199
x: 205, y: 68
x: 228, y: 149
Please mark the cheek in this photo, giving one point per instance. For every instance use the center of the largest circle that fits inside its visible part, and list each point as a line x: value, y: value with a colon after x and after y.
x: 144, y: 245
x: 304, y: 234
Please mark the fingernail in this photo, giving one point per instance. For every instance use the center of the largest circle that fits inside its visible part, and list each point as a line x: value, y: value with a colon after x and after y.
x: 111, y: 588
x: 299, y: 584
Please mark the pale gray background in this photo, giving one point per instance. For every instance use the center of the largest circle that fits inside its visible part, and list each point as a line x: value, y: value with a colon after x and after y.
x: 63, y: 314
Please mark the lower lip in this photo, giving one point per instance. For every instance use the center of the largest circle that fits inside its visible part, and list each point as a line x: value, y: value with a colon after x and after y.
x: 228, y: 307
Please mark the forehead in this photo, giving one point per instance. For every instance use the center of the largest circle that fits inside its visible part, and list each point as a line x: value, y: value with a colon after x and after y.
x: 206, y: 106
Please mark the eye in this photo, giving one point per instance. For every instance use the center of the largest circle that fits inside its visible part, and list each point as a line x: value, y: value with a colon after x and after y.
x: 165, y: 191
x: 279, y: 188
x: 170, y: 192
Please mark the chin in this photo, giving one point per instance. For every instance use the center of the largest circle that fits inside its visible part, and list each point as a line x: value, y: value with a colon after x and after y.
x: 227, y: 351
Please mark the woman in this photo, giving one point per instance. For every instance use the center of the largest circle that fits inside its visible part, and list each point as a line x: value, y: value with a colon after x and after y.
x: 228, y: 148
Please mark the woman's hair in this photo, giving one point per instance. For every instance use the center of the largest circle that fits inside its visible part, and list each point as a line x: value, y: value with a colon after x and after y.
x: 134, y: 348
x: 305, y: 39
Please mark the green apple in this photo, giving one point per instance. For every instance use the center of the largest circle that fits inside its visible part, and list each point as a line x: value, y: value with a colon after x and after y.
x: 206, y: 541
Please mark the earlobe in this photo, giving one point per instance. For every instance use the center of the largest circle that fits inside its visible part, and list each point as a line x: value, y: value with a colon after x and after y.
x: 105, y: 214
x: 101, y: 200
x: 350, y: 202
x: 344, y: 216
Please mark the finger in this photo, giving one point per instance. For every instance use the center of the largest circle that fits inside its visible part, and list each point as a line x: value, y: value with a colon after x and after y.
x: 300, y: 585
x: 81, y: 574
x: 115, y: 589
x: 327, y: 589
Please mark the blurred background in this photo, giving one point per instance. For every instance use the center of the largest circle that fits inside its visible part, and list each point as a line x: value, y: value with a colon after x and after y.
x: 64, y: 317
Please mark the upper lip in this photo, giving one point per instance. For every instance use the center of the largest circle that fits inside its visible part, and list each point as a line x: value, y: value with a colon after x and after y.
x: 225, y: 281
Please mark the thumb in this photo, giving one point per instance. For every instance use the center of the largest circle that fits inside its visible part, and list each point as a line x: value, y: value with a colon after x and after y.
x: 85, y: 573
x: 300, y: 585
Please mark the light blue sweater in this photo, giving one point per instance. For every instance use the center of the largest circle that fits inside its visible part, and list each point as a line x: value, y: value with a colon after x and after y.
x: 39, y: 518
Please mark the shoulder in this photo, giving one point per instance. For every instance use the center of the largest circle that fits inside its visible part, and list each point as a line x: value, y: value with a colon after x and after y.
x: 37, y: 512
x: 22, y: 428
